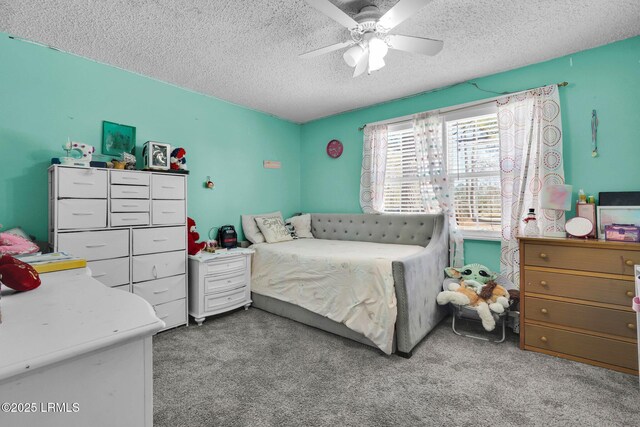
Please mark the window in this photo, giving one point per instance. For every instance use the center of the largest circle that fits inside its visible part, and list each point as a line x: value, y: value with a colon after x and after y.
x: 472, y: 158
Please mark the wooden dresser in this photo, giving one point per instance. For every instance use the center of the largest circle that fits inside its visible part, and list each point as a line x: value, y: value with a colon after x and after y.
x: 576, y: 300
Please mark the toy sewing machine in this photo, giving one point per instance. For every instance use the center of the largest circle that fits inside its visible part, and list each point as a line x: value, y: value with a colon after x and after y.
x: 78, y: 154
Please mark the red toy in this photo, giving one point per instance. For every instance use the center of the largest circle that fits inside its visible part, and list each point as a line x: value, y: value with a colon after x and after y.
x: 178, y: 159
x: 192, y: 235
x: 18, y: 275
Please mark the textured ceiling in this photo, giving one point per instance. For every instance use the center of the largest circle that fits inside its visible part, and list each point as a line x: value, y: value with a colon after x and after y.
x: 246, y: 52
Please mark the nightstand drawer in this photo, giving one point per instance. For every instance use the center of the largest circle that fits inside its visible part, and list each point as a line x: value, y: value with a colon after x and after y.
x: 95, y: 245
x: 82, y: 213
x: 83, y: 183
x: 129, y: 192
x: 226, y: 265
x: 602, y: 260
x: 111, y: 272
x: 129, y: 218
x: 166, y: 212
x: 588, y: 288
x: 597, y: 319
x: 614, y: 352
x: 221, y: 301
x: 172, y: 313
x: 161, y: 290
x: 129, y: 178
x: 129, y: 205
x: 217, y: 284
x: 157, y: 266
x: 165, y: 186
x: 163, y: 239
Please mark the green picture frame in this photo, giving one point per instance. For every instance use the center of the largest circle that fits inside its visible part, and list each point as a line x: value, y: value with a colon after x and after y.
x: 118, y: 139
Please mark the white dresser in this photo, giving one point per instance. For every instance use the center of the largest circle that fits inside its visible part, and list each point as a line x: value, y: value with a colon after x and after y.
x: 219, y: 282
x: 131, y: 228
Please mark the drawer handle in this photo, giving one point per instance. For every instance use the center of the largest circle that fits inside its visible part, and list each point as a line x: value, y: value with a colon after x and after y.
x: 154, y: 270
x: 130, y: 178
x: 129, y: 206
x: 544, y: 311
x: 82, y: 183
x: 631, y: 326
x: 168, y: 186
x: 629, y: 262
x: 162, y: 291
x: 164, y: 239
x: 99, y: 275
x: 543, y: 283
x: 129, y: 219
x: 96, y: 245
x: 630, y: 294
x: 83, y: 213
x: 129, y: 192
x: 543, y: 339
x: 543, y: 255
x: 168, y: 212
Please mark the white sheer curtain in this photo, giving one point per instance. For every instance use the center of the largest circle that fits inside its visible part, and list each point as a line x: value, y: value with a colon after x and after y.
x: 374, y: 162
x: 530, y: 127
x: 434, y: 183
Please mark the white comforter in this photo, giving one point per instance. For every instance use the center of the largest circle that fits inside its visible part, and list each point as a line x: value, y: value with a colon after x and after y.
x: 348, y: 282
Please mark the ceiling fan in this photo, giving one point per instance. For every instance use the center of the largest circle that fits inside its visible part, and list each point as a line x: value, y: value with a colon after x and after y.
x: 370, y: 38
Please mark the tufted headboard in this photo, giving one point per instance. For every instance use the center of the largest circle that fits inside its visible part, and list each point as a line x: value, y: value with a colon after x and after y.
x: 378, y: 228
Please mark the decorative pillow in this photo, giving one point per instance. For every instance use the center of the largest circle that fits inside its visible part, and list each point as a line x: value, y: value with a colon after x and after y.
x: 18, y: 275
x: 273, y: 229
x: 11, y: 244
x: 250, y: 229
x: 302, y: 226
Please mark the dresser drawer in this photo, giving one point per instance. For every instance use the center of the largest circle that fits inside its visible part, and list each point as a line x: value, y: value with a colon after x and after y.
x: 129, y: 178
x: 226, y: 265
x: 129, y: 192
x: 157, y: 266
x: 602, y: 260
x: 588, y: 288
x: 172, y: 313
x: 82, y: 213
x: 111, y: 272
x: 86, y: 183
x: 95, y: 245
x: 599, y: 349
x: 224, y: 300
x: 129, y: 218
x: 604, y: 320
x: 161, y: 239
x: 161, y: 290
x: 167, y: 187
x: 168, y: 212
x: 216, y: 284
x: 132, y: 205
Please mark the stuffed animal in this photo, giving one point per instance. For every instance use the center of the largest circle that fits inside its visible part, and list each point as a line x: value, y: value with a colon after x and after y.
x: 178, y: 159
x: 18, y: 275
x: 477, y: 289
x: 192, y: 236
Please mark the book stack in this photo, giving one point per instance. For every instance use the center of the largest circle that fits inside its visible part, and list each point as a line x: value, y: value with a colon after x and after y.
x: 55, y: 261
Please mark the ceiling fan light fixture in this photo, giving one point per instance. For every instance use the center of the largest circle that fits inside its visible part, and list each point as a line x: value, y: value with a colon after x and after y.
x: 375, y: 63
x: 378, y: 47
x: 353, y: 55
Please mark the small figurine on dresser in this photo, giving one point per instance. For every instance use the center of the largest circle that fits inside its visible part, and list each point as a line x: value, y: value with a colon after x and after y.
x: 179, y: 159
x: 531, y: 228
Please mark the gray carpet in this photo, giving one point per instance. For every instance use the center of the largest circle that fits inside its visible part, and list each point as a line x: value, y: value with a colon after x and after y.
x: 251, y: 368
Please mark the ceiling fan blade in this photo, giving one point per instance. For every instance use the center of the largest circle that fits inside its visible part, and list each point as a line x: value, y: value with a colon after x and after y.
x: 326, y: 49
x: 401, y: 11
x: 333, y: 12
x: 415, y: 44
x: 363, y: 64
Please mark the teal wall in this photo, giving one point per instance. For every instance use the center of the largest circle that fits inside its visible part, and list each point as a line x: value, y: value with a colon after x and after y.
x: 47, y: 96
x: 606, y: 79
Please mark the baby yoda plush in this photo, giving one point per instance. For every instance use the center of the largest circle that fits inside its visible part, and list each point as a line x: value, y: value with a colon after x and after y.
x: 477, y: 289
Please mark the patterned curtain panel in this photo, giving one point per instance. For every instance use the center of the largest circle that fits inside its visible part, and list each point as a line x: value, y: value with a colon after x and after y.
x: 530, y: 128
x: 434, y: 185
x: 374, y: 162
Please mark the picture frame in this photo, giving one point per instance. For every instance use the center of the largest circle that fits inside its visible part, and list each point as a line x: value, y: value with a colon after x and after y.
x: 156, y: 155
x: 118, y: 138
x: 609, y: 215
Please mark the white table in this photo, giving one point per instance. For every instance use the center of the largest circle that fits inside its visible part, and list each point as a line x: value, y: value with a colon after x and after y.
x: 75, y: 352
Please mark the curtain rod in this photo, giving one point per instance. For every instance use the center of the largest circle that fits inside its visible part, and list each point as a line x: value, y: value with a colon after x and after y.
x: 461, y: 107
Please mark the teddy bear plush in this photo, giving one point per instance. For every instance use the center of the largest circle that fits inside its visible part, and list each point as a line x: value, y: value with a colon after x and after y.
x: 193, y: 247
x: 477, y: 289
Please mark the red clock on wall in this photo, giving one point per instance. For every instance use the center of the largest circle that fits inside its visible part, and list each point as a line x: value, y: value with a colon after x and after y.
x: 334, y: 148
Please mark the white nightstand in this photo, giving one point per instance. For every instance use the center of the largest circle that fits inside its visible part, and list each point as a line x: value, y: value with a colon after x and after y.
x: 219, y: 282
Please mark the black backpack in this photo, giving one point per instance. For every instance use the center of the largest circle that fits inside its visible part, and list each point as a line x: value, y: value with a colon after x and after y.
x: 227, y: 237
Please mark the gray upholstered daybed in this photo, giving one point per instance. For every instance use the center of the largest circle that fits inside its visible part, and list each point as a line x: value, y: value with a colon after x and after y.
x: 417, y: 278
